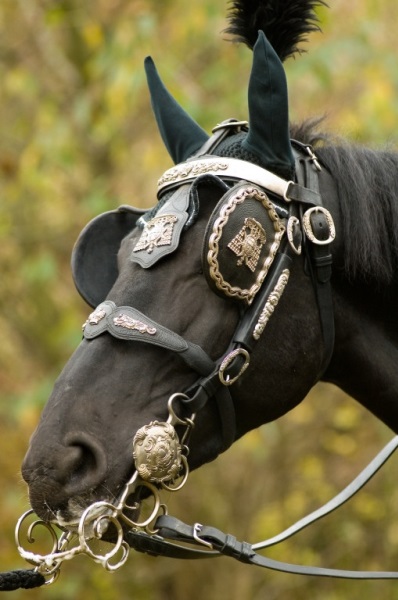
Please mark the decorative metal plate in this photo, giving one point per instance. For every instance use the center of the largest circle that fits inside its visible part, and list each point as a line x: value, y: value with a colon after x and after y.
x: 244, y: 225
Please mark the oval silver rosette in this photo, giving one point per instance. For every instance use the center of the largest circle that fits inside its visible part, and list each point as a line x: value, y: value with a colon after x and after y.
x: 161, y: 463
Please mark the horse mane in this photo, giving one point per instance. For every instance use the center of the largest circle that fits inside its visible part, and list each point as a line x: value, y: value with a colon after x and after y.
x: 367, y: 186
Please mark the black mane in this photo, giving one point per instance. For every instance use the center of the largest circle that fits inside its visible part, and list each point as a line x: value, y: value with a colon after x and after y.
x: 367, y: 185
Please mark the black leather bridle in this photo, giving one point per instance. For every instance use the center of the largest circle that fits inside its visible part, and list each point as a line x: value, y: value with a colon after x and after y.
x: 310, y: 227
x: 303, y: 195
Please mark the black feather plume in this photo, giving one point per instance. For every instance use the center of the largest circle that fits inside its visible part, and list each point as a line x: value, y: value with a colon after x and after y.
x: 286, y: 23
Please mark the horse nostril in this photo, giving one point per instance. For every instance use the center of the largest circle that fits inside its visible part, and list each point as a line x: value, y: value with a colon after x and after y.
x: 83, y: 464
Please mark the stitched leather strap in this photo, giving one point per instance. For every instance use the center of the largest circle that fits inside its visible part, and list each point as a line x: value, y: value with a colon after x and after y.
x: 127, y: 323
x: 170, y: 528
x: 320, y: 257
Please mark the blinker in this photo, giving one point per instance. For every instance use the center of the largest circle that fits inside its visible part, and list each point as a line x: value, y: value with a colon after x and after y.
x: 241, y: 241
x: 161, y: 234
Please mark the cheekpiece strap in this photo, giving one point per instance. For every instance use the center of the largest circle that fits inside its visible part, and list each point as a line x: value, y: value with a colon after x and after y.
x: 319, y: 231
x: 127, y: 323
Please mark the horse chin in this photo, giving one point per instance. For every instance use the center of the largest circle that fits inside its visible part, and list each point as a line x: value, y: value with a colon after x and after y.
x: 67, y: 513
x: 95, y: 523
x: 69, y: 518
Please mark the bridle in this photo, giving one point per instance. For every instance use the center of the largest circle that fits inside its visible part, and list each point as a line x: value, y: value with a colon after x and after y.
x: 160, y: 452
x: 308, y: 226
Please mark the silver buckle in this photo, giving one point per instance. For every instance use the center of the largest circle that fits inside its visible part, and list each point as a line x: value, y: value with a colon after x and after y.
x: 313, y: 157
x: 197, y: 528
x: 307, y: 226
x: 291, y: 224
x: 231, y: 124
x: 227, y: 362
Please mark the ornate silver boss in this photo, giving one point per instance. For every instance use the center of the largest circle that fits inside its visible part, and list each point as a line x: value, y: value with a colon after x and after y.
x: 157, y: 452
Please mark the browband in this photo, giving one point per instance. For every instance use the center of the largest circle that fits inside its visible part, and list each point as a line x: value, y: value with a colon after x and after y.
x: 235, y: 170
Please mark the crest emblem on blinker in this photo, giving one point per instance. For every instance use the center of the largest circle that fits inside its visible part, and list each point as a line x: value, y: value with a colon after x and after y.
x: 245, y: 224
x: 157, y: 232
x: 247, y: 244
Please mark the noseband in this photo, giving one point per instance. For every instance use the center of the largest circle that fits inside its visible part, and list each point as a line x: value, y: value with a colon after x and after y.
x: 160, y: 454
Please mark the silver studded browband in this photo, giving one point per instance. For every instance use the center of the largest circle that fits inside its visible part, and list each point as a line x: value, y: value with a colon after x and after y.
x: 227, y: 168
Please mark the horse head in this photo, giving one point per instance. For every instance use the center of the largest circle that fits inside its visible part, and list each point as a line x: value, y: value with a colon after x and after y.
x: 207, y: 296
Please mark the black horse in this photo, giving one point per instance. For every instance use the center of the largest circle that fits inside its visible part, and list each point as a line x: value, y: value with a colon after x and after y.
x: 224, y: 292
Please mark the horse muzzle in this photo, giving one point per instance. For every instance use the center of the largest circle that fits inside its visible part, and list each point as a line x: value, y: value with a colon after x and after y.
x: 72, y: 470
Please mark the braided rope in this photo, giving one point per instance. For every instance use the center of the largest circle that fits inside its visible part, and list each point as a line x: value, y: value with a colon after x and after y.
x: 21, y: 579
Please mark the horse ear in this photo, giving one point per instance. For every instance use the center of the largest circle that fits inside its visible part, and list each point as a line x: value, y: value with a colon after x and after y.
x: 181, y: 135
x: 268, y: 135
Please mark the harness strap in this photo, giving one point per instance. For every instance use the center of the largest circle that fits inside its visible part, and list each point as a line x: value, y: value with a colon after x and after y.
x: 318, y: 251
x: 228, y: 545
x: 235, y: 169
x: 127, y: 323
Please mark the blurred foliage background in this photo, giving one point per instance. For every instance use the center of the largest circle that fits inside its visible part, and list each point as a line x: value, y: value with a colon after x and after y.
x: 77, y: 138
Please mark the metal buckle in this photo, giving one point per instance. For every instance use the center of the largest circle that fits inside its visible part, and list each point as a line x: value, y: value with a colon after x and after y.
x: 197, y: 528
x: 231, y: 124
x: 286, y: 196
x: 307, y: 226
x: 226, y: 380
x: 313, y: 157
x: 291, y: 224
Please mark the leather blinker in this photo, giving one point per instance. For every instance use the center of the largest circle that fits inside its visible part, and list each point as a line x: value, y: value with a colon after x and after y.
x: 161, y: 234
x: 241, y: 241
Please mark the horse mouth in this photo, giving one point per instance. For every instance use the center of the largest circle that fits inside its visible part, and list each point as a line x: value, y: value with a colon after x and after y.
x: 90, y: 508
x: 67, y: 513
x: 70, y: 518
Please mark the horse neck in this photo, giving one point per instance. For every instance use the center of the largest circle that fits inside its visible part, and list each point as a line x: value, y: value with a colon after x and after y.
x: 365, y: 359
